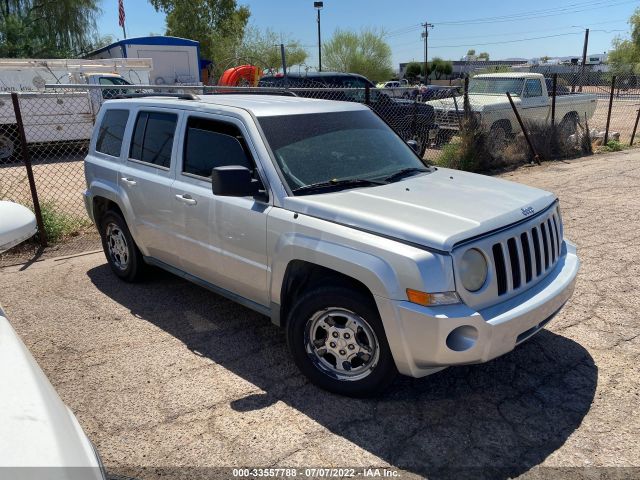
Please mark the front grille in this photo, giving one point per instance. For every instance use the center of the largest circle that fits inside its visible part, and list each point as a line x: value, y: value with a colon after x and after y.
x: 523, y: 258
x: 448, y: 118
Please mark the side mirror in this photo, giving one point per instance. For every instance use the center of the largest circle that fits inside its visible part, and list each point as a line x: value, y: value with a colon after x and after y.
x: 414, y: 145
x: 17, y: 223
x: 233, y: 181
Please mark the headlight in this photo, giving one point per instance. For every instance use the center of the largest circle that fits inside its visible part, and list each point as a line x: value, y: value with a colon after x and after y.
x: 473, y: 270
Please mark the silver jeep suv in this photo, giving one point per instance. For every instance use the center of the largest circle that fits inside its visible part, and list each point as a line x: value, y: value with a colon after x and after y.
x: 318, y: 215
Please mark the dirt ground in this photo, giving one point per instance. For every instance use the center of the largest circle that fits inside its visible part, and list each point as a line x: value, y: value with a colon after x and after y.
x: 164, y: 375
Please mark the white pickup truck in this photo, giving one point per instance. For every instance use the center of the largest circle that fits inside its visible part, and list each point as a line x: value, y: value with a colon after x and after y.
x: 488, y: 100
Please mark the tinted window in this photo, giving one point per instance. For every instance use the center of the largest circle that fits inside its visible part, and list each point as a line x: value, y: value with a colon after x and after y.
x: 533, y: 88
x: 111, y: 132
x: 319, y: 147
x: 153, y: 138
x: 113, y: 81
x: 210, y: 144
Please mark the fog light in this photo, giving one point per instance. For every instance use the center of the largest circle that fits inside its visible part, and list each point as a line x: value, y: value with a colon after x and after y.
x: 462, y: 338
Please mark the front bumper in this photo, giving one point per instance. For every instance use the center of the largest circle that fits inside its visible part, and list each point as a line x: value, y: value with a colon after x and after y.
x: 424, y: 340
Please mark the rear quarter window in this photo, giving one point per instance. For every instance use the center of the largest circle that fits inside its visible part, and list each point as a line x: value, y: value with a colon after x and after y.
x: 111, y: 132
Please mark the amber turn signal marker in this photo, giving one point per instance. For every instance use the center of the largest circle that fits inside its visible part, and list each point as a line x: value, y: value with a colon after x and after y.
x: 416, y: 296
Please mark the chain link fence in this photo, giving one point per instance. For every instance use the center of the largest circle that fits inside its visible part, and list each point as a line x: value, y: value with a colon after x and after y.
x: 470, y: 123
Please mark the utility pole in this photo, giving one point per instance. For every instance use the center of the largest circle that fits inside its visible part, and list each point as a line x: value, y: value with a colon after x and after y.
x: 318, y: 6
x: 284, y: 60
x: 425, y: 35
x: 584, y: 57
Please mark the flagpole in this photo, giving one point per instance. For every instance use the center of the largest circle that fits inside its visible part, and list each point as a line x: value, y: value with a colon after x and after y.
x: 122, y: 17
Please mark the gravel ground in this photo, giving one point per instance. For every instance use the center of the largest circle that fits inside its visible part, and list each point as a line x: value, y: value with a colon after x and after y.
x: 164, y: 374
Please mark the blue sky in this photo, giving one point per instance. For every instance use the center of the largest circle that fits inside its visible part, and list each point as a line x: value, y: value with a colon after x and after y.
x: 493, y: 26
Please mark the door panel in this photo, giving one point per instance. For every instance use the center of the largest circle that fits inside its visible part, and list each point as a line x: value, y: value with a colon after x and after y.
x: 146, y: 177
x: 148, y: 189
x: 222, y: 239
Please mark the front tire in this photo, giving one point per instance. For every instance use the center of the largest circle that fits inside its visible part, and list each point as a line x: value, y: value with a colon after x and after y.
x: 337, y: 340
x: 123, y: 255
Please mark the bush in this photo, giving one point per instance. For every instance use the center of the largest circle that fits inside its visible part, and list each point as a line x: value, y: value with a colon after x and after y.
x: 612, y: 146
x: 58, y: 224
x: 472, y: 149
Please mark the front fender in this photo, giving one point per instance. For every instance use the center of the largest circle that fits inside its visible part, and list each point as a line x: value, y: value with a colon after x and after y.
x: 375, y: 273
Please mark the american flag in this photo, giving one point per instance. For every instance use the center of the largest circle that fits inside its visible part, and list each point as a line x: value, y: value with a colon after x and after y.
x: 121, y: 15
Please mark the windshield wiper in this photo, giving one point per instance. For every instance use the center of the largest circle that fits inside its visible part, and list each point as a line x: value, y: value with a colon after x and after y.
x: 345, y: 183
x: 405, y: 172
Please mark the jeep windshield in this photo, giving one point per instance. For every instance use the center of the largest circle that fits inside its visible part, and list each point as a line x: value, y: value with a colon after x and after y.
x: 496, y: 86
x: 323, y: 152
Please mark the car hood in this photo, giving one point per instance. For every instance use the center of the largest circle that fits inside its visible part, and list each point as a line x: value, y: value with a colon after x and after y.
x: 36, y: 428
x: 476, y: 101
x: 436, y: 210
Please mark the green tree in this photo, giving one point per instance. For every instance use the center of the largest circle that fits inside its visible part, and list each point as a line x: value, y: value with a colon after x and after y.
x: 471, y: 52
x: 366, y: 53
x: 261, y: 48
x: 218, y: 25
x: 483, y: 56
x: 441, y: 67
x: 413, y: 71
x: 625, y: 54
x: 47, y: 28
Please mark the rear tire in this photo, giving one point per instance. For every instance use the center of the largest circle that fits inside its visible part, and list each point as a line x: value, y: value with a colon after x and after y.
x: 123, y: 255
x: 337, y: 340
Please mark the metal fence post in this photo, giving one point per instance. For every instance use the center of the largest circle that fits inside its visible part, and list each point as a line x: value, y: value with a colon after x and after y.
x: 524, y: 130
x: 554, y: 91
x: 635, y: 127
x: 613, y: 87
x: 367, y: 94
x: 27, y: 163
x: 414, y: 120
x: 466, y: 107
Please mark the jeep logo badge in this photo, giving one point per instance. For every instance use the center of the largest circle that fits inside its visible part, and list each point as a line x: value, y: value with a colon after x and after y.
x: 527, y: 211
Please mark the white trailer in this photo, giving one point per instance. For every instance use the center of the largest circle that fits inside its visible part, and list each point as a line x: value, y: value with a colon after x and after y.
x: 20, y: 74
x: 62, y: 115
x: 176, y: 61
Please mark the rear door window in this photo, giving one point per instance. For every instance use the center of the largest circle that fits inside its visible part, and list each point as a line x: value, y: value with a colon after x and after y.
x: 152, y: 139
x: 111, y: 132
x: 212, y: 143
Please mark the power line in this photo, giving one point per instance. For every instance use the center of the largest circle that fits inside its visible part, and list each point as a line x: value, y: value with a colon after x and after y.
x: 414, y: 42
x: 530, y: 16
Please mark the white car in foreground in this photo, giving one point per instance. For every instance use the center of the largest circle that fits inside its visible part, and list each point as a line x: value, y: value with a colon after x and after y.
x: 40, y: 437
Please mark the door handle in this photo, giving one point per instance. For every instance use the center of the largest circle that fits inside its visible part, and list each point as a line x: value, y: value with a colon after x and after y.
x: 186, y: 198
x: 128, y: 181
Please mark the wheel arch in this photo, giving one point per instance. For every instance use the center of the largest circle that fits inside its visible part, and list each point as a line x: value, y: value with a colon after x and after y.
x: 302, y: 275
x: 301, y: 261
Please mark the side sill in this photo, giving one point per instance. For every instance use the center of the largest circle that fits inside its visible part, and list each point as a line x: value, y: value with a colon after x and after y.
x: 209, y: 286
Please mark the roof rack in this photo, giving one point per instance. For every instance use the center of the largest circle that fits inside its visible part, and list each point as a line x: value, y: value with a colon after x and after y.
x: 179, y: 96
x: 284, y: 93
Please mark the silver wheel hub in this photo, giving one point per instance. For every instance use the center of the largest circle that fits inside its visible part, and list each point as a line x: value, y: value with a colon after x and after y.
x: 117, y: 246
x: 341, y: 344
